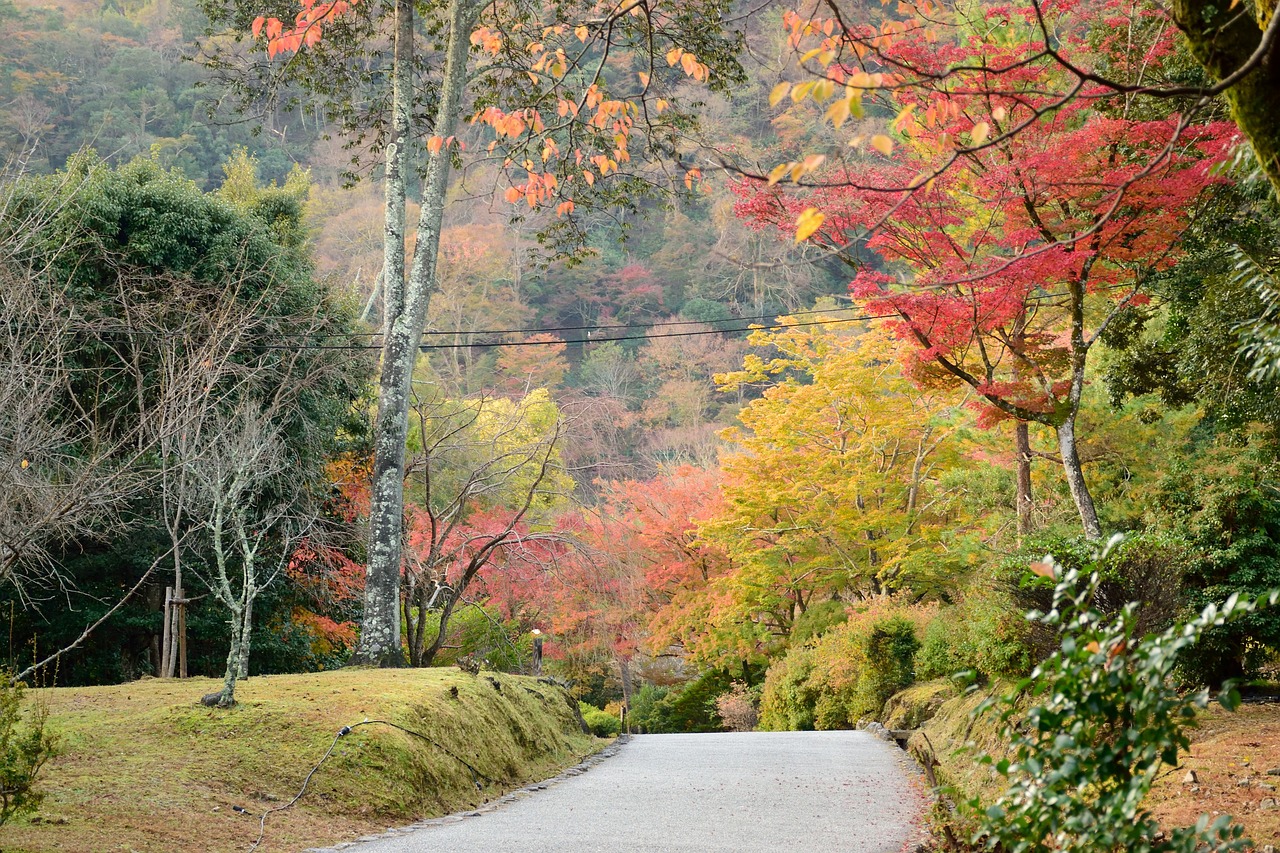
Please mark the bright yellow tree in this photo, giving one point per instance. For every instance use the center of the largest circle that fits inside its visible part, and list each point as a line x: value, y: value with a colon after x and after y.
x: 834, y: 491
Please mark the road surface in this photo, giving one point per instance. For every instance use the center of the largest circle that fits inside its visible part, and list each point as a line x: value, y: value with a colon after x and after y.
x: 711, y: 793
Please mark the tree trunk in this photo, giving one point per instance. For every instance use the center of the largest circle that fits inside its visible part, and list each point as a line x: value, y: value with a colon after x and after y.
x: 1066, y: 427
x: 437, y: 643
x: 380, y: 626
x: 1075, y: 479
x: 227, y: 697
x: 1223, y: 36
x: 1022, y: 443
x: 246, y: 635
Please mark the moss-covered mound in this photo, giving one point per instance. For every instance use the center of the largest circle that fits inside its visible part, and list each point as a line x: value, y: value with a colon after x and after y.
x: 144, y: 767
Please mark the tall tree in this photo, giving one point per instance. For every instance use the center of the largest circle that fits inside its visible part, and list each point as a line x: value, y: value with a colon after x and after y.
x: 571, y: 92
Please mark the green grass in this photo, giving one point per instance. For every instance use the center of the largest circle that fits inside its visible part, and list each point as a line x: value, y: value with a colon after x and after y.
x: 144, y: 767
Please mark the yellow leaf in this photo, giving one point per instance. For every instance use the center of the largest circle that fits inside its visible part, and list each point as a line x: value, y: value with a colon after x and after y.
x: 581, y: 33
x: 998, y: 113
x: 838, y: 112
x: 822, y: 90
x: 660, y: 105
x: 779, y: 92
x: 979, y: 134
x: 882, y: 143
x: 800, y: 92
x: 644, y: 78
x: 26, y: 463
x: 673, y: 55
x: 857, y: 140
x: 777, y: 172
x: 808, y: 222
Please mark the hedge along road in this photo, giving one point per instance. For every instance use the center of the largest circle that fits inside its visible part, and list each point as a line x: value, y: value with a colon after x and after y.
x: 805, y: 791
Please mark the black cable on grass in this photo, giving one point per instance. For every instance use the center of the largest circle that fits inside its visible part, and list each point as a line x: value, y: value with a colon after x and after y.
x: 476, y: 775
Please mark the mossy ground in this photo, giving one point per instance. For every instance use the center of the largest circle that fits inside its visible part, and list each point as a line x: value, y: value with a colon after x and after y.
x: 144, y: 767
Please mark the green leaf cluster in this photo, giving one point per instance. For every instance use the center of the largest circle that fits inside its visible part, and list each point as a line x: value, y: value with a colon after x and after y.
x: 1105, y: 718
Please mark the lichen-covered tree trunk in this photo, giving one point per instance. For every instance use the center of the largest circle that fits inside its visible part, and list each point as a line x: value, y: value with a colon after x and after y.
x: 405, y: 318
x: 1066, y: 427
x: 235, y: 654
x: 246, y: 638
x: 1223, y: 36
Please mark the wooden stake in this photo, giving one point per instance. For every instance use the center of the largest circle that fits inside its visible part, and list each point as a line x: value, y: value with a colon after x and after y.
x: 166, y: 637
x: 182, y: 633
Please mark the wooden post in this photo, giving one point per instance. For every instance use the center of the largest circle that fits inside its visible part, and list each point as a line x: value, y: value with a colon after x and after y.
x: 537, y: 655
x: 166, y: 638
x: 182, y: 633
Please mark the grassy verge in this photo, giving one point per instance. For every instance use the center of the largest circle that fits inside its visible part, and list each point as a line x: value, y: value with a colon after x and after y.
x: 143, y: 767
x: 1230, y: 752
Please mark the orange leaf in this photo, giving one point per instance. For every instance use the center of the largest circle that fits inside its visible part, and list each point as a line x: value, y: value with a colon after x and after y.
x: 513, y: 194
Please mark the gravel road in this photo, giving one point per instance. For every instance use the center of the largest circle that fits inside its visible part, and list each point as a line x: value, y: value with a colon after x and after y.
x: 801, y: 791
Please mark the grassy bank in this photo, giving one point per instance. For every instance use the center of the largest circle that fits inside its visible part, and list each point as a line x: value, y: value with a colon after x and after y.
x: 144, y: 767
x: 1230, y: 752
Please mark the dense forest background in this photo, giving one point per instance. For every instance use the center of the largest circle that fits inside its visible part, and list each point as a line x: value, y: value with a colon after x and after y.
x: 791, y: 521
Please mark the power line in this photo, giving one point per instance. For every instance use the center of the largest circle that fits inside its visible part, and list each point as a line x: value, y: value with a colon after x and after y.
x: 662, y: 324
x: 545, y: 330
x: 587, y: 340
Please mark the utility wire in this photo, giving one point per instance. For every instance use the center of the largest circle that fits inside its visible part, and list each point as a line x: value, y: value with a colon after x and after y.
x: 660, y: 324
x: 587, y: 340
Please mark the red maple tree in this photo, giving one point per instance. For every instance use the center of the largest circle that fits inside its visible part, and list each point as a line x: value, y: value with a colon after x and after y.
x: 1011, y: 222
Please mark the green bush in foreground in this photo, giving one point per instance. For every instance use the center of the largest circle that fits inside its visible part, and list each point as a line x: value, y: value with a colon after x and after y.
x: 1105, y: 720
x: 24, y: 748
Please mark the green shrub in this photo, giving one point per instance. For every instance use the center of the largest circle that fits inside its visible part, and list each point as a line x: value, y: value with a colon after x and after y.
x: 1105, y: 719
x: 941, y: 652
x: 691, y: 708
x: 24, y: 748
x: 789, y: 700
x: 817, y: 619
x: 601, y: 723
x: 890, y: 662
x: 644, y: 703
x: 848, y: 672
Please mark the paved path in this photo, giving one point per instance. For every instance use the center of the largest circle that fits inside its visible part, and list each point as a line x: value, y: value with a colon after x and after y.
x: 712, y: 793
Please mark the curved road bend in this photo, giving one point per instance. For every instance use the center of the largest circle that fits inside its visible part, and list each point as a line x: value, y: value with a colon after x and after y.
x: 711, y: 793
